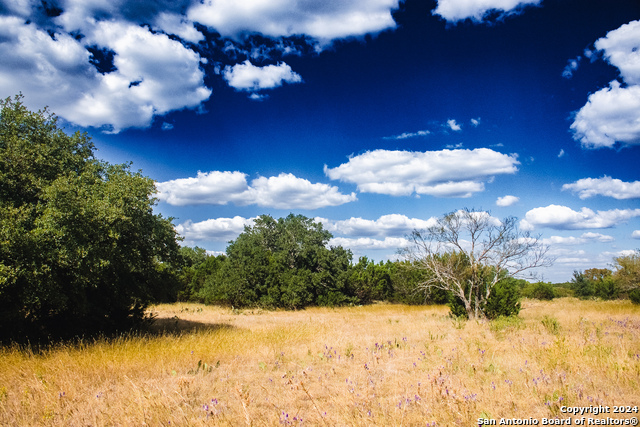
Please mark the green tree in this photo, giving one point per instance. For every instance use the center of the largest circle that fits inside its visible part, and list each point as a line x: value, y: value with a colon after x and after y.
x: 627, y: 275
x: 282, y: 263
x: 370, y: 281
x: 80, y: 247
x: 595, y: 282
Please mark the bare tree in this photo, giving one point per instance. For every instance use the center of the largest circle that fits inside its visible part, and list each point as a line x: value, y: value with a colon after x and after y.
x: 467, y: 252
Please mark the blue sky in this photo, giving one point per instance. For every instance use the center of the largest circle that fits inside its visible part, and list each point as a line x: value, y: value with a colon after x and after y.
x: 372, y: 116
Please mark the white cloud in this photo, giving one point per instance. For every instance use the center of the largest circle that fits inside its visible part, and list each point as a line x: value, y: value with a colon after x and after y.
x: 284, y: 191
x: 154, y: 74
x: 445, y: 173
x: 635, y: 234
x: 621, y: 47
x: 479, y: 10
x: 605, y: 186
x: 406, y: 135
x: 217, y: 188
x: 588, y: 237
x: 453, y: 125
x: 392, y: 225
x: 612, y: 114
x: 323, y: 20
x: 561, y: 153
x: 564, y: 218
x: 173, y: 23
x: 475, y: 122
x: 218, y: 229
x: 507, y: 201
x: 247, y: 76
x: 367, y: 243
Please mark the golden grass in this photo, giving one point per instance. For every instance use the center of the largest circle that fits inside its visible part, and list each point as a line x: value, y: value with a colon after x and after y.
x: 385, y: 365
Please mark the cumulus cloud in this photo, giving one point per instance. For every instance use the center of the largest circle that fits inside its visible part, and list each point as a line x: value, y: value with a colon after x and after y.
x: 153, y: 73
x: 218, y: 229
x: 561, y: 153
x: 479, y: 10
x: 321, y: 20
x: 475, y: 122
x: 248, y: 77
x: 507, y: 201
x: 445, y: 173
x: 393, y: 225
x: 635, y: 234
x: 565, y: 218
x: 612, y: 114
x: 605, y: 186
x: 284, y: 191
x: 621, y: 47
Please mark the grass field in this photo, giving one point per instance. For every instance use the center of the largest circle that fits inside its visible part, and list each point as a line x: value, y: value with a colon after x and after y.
x: 385, y: 365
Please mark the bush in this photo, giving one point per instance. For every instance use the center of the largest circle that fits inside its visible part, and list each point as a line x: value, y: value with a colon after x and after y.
x: 634, y: 296
x: 503, y: 301
x: 540, y: 290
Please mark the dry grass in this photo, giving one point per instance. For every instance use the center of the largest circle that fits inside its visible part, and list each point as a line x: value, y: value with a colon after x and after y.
x: 386, y: 365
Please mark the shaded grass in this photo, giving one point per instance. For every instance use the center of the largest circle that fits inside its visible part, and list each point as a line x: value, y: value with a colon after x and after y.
x: 376, y: 365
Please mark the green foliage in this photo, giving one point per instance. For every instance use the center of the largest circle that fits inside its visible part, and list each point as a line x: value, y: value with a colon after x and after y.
x: 407, y: 281
x: 595, y: 282
x: 551, y: 324
x: 281, y: 263
x: 80, y: 247
x: 634, y: 296
x: 370, y: 281
x: 198, y: 267
x: 504, y: 300
x: 539, y: 290
x: 627, y: 274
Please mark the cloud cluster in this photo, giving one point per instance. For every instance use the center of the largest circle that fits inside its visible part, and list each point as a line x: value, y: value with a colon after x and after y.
x: 393, y: 225
x: 479, y: 10
x: 605, y: 186
x: 153, y: 73
x: 565, y: 218
x: 445, y: 173
x: 284, y: 191
x: 120, y: 64
x: 612, y: 114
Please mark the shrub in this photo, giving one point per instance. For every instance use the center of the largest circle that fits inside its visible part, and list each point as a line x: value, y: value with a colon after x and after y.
x: 540, y: 290
x: 503, y: 301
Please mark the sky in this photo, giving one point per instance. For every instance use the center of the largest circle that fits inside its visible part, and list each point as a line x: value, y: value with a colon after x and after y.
x: 374, y: 117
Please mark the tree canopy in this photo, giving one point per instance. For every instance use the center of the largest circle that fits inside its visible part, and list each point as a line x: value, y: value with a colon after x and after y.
x: 80, y: 246
x: 282, y: 263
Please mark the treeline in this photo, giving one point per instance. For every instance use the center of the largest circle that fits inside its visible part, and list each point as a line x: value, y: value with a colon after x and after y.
x: 285, y: 263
